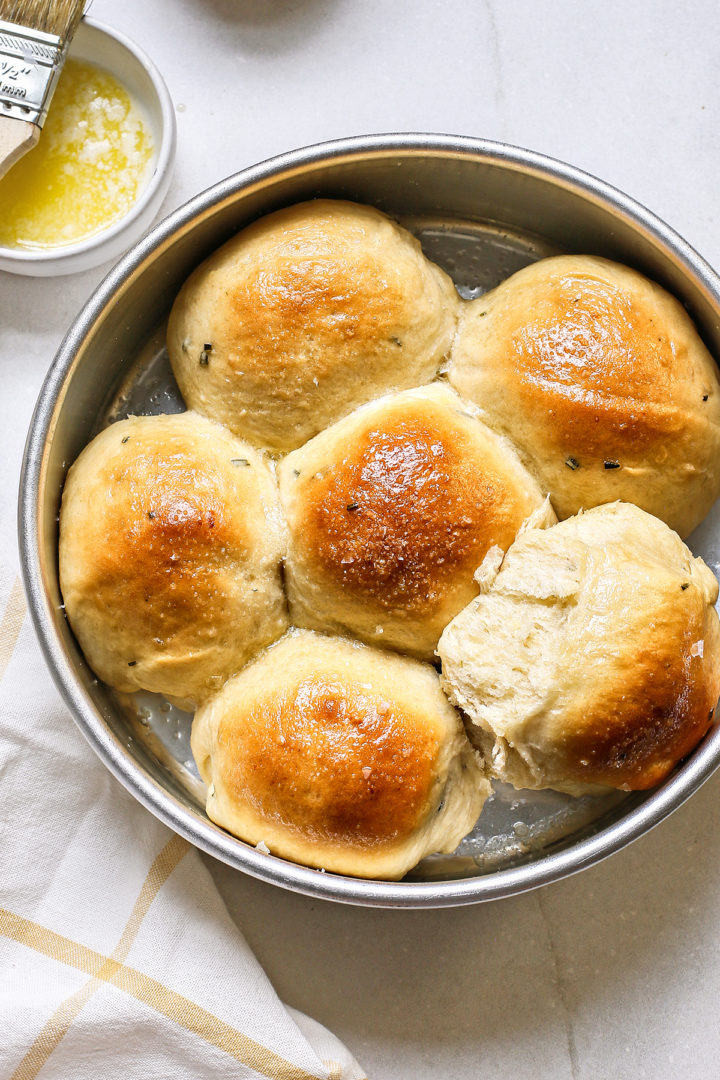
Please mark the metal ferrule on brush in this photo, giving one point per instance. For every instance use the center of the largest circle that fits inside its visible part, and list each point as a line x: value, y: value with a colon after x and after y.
x: 30, y: 65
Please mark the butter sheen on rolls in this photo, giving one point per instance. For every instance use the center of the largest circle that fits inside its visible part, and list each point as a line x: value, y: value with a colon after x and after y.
x: 364, y: 454
x: 339, y: 756
x: 603, y: 382
x: 306, y: 314
x: 593, y: 657
x: 391, y: 511
x: 170, y: 549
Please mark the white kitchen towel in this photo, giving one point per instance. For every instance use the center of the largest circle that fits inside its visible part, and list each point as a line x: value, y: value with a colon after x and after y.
x: 118, y: 959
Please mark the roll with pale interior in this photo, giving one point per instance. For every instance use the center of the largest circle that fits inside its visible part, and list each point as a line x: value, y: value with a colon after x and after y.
x: 392, y: 510
x: 602, y: 380
x: 306, y: 314
x: 338, y: 756
x: 170, y: 548
x: 593, y: 657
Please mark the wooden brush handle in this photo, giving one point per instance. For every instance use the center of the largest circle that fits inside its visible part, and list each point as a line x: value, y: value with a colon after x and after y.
x: 16, y: 138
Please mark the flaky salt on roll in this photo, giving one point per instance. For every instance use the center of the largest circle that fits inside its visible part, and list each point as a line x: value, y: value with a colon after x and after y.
x: 338, y: 756
x: 305, y: 315
x: 170, y: 547
x: 593, y: 658
x: 392, y: 510
x: 601, y: 378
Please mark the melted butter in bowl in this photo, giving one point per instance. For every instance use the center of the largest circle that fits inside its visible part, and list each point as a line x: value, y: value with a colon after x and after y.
x: 101, y: 169
x: 93, y: 160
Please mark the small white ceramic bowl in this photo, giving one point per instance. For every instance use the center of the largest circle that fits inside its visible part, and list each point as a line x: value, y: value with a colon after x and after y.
x: 107, y: 48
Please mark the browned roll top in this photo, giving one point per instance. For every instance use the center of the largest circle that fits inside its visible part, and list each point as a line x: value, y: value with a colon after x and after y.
x: 392, y: 510
x: 303, y: 316
x: 636, y: 731
x: 589, y: 349
x: 406, y: 508
x: 166, y: 541
x: 339, y: 756
x: 170, y: 549
x: 600, y: 378
x: 316, y: 300
x: 333, y: 762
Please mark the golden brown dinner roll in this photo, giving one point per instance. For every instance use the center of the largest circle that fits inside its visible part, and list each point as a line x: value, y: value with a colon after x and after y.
x: 306, y: 314
x: 170, y: 545
x: 392, y: 510
x: 594, y: 656
x: 602, y: 380
x: 338, y: 756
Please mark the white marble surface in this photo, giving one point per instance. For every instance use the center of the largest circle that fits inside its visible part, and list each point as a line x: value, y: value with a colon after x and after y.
x: 612, y: 973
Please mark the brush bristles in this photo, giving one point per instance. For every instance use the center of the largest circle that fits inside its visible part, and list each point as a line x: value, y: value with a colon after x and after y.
x: 58, y: 17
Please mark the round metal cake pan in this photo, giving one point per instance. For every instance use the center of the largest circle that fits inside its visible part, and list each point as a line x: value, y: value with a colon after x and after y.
x: 426, y: 178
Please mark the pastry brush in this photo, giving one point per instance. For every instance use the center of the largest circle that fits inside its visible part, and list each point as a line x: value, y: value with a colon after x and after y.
x: 34, y: 40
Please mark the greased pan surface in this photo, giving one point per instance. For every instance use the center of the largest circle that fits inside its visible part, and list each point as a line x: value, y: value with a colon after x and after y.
x: 481, y: 210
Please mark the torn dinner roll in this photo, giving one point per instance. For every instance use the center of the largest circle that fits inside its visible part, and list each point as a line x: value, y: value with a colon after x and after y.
x: 593, y: 657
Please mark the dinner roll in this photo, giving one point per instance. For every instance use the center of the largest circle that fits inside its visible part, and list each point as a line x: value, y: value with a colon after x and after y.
x: 306, y: 314
x: 338, y: 756
x: 594, y: 656
x: 170, y: 547
x: 602, y: 380
x: 392, y: 510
